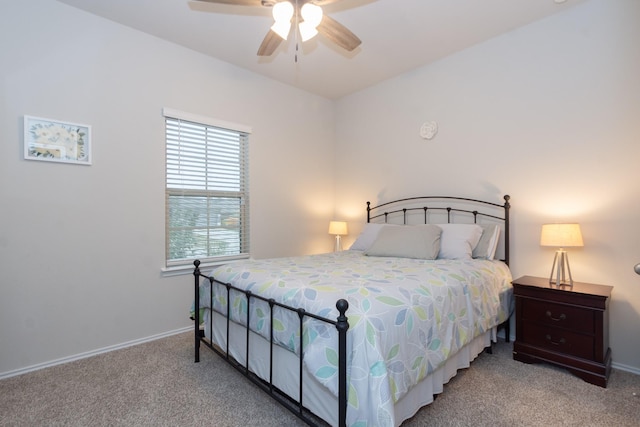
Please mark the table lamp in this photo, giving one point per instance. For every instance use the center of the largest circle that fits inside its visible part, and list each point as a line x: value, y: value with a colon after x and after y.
x: 561, y: 236
x: 338, y: 228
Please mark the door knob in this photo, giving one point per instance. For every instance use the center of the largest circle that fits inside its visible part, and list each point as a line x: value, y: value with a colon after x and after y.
x: 637, y: 268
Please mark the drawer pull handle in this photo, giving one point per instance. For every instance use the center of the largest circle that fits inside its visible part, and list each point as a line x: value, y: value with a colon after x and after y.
x: 562, y: 340
x: 556, y: 319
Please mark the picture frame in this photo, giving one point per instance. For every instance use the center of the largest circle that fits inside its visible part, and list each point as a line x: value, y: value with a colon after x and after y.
x: 56, y: 141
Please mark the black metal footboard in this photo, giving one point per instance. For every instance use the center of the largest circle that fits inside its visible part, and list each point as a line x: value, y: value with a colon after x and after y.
x: 295, y: 406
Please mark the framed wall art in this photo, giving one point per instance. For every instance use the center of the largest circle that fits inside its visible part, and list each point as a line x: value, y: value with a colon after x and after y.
x: 55, y: 141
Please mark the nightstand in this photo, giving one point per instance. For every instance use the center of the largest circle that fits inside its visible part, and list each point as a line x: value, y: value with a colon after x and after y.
x: 566, y: 326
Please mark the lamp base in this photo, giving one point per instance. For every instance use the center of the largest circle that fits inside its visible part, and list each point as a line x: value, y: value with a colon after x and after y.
x: 338, y: 246
x: 561, y: 270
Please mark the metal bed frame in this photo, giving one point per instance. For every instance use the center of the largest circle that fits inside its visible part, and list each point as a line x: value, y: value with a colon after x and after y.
x: 341, y: 324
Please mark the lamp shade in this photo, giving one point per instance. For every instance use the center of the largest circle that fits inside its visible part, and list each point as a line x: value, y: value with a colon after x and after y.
x: 339, y: 228
x: 561, y: 235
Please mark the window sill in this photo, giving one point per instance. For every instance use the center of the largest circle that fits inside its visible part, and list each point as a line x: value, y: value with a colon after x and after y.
x: 181, y: 270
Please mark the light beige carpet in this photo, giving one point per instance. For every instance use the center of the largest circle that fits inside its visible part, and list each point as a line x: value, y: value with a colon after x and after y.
x: 158, y: 384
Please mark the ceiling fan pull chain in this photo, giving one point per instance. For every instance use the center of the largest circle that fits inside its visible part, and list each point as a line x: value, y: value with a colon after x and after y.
x: 296, y: 31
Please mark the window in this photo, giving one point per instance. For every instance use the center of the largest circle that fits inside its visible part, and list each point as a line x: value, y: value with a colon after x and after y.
x: 207, y: 190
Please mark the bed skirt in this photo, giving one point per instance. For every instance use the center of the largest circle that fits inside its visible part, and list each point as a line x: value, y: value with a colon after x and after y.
x: 316, y: 397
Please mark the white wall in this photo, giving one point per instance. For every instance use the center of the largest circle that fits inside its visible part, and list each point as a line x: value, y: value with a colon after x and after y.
x: 549, y: 114
x: 81, y: 247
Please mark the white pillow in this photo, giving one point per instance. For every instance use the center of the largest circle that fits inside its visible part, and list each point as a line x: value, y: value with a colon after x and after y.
x: 486, y: 247
x: 458, y: 240
x: 367, y: 236
x: 421, y: 242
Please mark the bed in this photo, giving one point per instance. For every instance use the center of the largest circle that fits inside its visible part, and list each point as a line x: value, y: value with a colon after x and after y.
x: 366, y: 336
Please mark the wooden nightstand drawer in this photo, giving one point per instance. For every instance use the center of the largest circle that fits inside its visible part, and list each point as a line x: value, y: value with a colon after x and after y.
x: 559, y: 340
x: 567, y: 326
x: 558, y: 315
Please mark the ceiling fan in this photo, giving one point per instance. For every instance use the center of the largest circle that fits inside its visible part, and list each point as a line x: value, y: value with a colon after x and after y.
x: 309, y: 20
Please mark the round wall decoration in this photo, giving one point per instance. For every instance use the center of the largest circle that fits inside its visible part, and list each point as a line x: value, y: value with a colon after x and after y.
x: 429, y: 130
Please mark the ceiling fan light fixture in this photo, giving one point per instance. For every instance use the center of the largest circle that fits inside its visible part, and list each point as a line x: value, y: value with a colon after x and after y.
x: 282, y: 29
x: 282, y: 11
x: 309, y: 21
x: 307, y: 31
x: 312, y: 14
x: 282, y: 14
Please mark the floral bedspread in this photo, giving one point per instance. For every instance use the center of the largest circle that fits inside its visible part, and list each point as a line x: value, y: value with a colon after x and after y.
x: 406, y: 316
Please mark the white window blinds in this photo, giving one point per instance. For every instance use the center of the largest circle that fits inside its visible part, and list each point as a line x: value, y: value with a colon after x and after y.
x: 207, y: 190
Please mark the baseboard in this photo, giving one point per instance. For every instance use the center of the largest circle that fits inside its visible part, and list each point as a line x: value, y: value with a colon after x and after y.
x: 625, y: 368
x: 44, y: 365
x: 93, y: 353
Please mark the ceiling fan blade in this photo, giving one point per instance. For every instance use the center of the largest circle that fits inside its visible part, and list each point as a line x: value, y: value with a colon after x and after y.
x: 323, y: 2
x: 236, y: 2
x: 269, y: 44
x: 338, y: 33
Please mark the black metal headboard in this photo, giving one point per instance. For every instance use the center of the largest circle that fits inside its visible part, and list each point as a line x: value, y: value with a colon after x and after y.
x: 446, y: 208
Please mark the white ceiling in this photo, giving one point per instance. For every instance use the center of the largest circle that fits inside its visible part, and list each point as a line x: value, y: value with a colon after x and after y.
x: 397, y: 35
